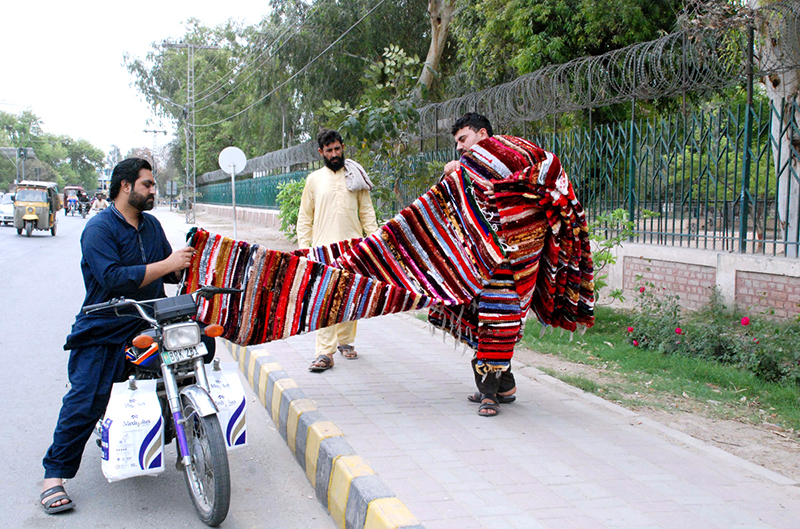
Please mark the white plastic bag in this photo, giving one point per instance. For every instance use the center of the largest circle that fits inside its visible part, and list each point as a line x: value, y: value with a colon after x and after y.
x: 228, y: 394
x: 133, y: 432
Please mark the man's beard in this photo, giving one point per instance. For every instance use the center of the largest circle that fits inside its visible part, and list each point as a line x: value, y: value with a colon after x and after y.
x: 141, y: 202
x: 334, y: 164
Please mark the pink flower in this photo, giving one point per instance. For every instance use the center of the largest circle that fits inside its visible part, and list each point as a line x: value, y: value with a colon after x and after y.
x: 630, y: 329
x: 745, y: 321
x: 641, y: 289
x: 636, y: 343
x: 678, y: 330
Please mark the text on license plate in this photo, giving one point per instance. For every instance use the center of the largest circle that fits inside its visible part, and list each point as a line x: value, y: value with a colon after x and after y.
x: 173, y: 357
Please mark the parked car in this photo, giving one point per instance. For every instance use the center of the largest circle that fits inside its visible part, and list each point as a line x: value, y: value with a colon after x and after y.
x: 7, y: 208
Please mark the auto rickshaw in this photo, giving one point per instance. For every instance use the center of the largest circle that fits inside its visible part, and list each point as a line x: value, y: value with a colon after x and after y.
x: 35, y: 207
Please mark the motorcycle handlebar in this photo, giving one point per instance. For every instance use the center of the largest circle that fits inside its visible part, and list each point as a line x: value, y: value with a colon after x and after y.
x: 207, y: 291
x: 97, y: 306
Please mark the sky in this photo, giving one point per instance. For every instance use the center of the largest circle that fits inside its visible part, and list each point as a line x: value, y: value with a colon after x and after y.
x: 63, y: 62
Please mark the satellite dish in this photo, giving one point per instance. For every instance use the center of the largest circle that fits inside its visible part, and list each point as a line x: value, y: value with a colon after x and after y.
x: 232, y: 160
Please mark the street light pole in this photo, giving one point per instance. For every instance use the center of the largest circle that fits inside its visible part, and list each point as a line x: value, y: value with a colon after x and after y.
x: 191, y: 178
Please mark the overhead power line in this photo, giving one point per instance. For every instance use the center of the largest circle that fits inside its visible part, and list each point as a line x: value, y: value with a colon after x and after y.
x: 219, y: 85
x: 301, y: 70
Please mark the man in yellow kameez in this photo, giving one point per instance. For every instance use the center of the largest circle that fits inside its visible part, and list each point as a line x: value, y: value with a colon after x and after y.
x: 336, y: 206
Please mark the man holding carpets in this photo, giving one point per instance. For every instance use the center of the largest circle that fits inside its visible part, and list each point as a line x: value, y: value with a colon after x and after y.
x: 523, y: 194
x: 336, y: 206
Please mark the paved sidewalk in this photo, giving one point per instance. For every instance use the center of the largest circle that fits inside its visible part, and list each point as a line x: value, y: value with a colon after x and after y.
x: 557, y: 457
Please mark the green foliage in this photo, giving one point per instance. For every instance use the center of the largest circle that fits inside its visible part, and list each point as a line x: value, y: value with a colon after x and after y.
x: 59, y: 158
x: 499, y: 40
x: 608, y: 231
x: 267, y: 54
x: 375, y: 127
x: 770, y: 350
x: 289, y: 197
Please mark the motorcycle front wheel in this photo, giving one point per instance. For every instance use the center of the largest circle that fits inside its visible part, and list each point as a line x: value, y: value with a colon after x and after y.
x: 208, y: 476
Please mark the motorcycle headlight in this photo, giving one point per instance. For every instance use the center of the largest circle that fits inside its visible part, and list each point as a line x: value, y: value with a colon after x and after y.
x: 181, y: 335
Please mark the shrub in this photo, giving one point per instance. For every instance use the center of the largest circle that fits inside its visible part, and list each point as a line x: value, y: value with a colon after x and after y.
x: 289, y: 196
x: 768, y: 349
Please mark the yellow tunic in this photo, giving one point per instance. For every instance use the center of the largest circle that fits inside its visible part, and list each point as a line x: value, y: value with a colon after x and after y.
x: 330, y: 213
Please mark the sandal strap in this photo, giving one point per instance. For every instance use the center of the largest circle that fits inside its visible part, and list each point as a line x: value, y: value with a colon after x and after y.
x: 52, y: 490
x: 493, y: 398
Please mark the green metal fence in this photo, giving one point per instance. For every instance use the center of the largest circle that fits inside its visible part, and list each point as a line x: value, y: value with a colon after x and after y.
x: 254, y: 192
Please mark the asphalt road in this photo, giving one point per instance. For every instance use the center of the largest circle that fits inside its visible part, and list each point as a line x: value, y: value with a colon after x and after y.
x: 41, y: 292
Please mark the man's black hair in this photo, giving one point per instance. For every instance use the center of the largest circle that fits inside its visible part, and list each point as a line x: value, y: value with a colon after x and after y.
x: 328, y: 136
x: 474, y: 121
x: 128, y: 171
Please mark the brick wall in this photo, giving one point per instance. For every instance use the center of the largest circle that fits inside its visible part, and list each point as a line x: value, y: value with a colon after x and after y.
x: 774, y: 295
x: 692, y: 282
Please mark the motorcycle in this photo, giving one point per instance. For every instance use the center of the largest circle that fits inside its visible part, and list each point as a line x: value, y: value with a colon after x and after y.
x: 84, y: 207
x: 171, y: 351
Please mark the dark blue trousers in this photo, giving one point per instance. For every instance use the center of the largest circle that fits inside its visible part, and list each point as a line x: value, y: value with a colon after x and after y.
x: 92, y: 372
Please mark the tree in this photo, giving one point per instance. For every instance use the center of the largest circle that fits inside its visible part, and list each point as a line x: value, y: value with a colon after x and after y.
x: 440, y: 13
x: 250, y: 73
x: 499, y: 40
x: 61, y: 158
x: 783, y: 90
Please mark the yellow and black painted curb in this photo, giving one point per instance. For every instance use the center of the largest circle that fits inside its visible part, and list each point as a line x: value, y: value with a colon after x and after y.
x: 344, y: 483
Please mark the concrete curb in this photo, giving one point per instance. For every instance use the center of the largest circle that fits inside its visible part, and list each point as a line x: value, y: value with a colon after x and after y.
x: 345, y: 485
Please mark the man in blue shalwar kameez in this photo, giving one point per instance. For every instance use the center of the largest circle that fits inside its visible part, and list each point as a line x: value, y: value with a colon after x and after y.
x: 125, y: 254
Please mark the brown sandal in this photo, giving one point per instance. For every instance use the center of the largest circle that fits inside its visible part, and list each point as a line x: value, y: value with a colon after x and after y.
x: 321, y: 363
x: 348, y: 351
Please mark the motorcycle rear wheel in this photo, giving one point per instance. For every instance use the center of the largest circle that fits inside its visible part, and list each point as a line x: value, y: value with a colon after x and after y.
x: 208, y: 476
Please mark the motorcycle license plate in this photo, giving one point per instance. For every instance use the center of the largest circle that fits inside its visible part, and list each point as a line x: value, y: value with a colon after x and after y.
x: 181, y: 355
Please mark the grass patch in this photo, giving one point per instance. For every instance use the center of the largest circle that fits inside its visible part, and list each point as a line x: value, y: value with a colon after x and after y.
x: 731, y: 391
x: 587, y: 385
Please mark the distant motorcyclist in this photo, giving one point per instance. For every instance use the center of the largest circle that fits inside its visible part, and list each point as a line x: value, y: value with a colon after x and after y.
x: 100, y: 204
x: 84, y: 203
x: 72, y: 203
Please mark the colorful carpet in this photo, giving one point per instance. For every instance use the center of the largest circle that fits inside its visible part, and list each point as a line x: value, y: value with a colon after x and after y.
x: 482, y: 247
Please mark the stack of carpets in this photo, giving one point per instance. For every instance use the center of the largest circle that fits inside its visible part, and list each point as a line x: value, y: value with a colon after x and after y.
x: 503, y: 235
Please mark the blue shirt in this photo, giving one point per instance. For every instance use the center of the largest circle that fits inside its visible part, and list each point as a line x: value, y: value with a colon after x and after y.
x: 115, y: 256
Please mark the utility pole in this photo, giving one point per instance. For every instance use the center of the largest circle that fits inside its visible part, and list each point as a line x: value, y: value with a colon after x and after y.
x: 191, y: 178
x: 155, y: 132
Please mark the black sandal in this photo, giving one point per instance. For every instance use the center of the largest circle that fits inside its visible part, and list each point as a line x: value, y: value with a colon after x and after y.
x: 485, y: 406
x: 502, y: 399
x: 348, y: 351
x: 321, y: 363
x: 49, y: 508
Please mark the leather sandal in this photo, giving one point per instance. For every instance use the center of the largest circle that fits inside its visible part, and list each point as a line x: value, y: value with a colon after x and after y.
x: 49, y: 508
x: 322, y: 363
x: 485, y: 407
x: 348, y: 351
